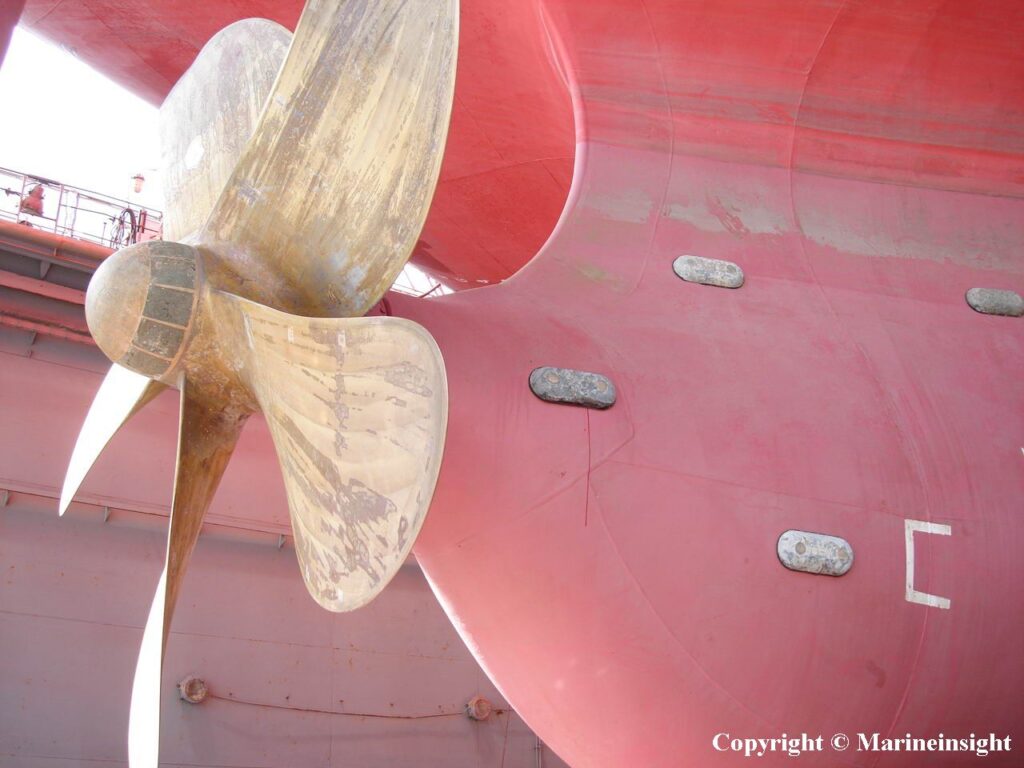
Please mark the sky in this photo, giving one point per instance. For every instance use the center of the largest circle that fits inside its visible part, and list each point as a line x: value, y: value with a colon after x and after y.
x: 64, y: 121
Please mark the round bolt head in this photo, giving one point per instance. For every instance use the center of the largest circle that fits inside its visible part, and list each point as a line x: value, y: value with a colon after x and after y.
x: 478, y: 708
x: 193, y: 689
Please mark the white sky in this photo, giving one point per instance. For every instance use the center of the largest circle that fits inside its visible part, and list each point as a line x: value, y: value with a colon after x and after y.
x: 64, y: 121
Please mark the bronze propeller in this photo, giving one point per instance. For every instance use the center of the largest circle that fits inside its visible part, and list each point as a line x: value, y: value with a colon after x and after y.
x: 290, y: 224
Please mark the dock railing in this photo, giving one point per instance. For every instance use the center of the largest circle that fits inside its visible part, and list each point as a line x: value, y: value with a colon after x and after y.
x: 74, y: 212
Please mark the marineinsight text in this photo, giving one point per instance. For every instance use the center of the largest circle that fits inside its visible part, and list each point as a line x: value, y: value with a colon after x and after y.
x: 794, y: 746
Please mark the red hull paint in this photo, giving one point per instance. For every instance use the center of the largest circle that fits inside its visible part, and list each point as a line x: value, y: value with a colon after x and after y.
x: 864, y: 167
x: 615, y: 572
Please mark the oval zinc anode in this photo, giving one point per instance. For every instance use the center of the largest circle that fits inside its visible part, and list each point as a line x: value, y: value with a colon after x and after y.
x: 815, y: 553
x: 993, y: 301
x: 565, y: 385
x: 697, y: 269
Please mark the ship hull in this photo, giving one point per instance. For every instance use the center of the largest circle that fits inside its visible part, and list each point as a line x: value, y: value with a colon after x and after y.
x: 615, y: 572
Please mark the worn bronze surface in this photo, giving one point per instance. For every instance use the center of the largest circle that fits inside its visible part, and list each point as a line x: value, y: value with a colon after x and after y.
x: 209, y: 116
x: 319, y: 214
x: 326, y: 203
x: 207, y: 434
x: 357, y: 409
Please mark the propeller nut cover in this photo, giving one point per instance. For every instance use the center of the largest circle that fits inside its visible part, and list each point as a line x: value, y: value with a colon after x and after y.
x: 141, y: 304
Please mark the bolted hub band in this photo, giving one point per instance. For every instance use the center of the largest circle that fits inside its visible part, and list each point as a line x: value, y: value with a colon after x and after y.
x: 141, y: 303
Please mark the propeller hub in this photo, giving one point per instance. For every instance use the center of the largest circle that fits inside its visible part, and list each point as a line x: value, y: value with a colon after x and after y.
x: 141, y: 304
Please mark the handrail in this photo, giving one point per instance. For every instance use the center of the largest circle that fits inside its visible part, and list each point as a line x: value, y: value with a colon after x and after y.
x: 78, y: 213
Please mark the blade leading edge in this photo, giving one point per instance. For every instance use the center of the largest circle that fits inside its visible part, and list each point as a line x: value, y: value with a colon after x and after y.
x: 122, y: 394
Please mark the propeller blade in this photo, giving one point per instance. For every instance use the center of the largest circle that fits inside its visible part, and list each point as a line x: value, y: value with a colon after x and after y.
x: 357, y: 410
x: 333, y: 188
x: 122, y: 394
x: 209, y: 115
x: 207, y: 434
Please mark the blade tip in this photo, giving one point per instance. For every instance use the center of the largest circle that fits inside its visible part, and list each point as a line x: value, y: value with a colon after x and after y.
x: 64, y: 503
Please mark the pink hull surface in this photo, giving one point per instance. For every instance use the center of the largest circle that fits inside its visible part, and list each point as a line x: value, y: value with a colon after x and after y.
x: 615, y: 572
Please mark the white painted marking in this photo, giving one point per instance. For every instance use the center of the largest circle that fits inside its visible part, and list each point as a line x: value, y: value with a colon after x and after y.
x: 912, y: 595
